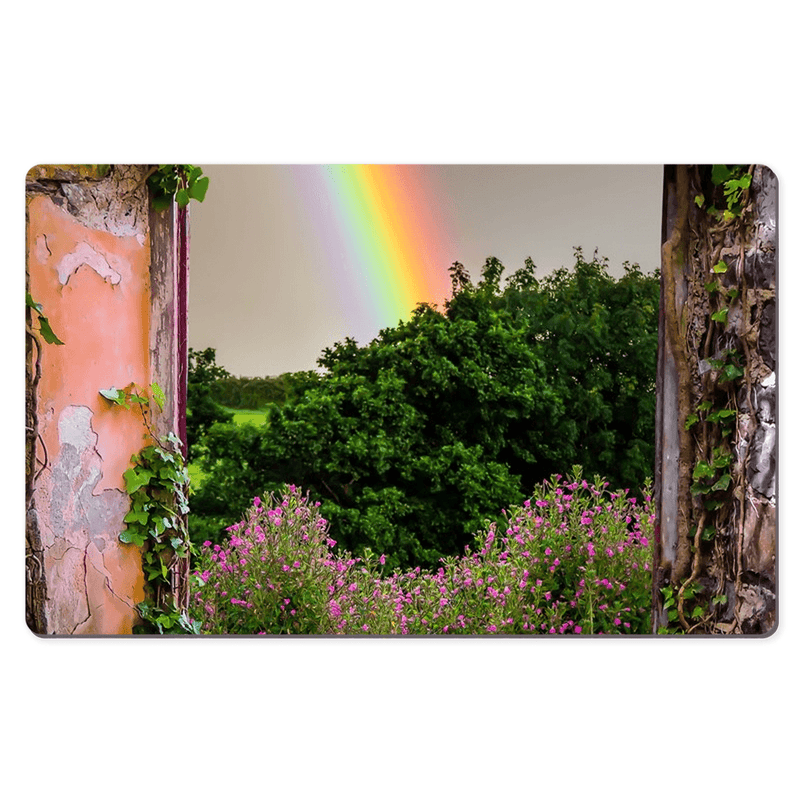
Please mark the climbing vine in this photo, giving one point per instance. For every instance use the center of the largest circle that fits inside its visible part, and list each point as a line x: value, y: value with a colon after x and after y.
x: 717, y: 328
x: 176, y: 182
x: 158, y: 485
x: 35, y: 587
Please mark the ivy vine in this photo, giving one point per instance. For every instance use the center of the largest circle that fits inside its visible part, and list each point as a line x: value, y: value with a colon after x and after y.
x: 176, y: 182
x: 158, y: 484
x: 714, y: 421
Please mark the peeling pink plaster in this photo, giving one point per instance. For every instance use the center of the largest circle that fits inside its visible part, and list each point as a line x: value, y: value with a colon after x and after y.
x: 94, y: 286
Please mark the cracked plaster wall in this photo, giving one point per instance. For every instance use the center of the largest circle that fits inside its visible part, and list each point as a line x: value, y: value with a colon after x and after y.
x: 89, y: 261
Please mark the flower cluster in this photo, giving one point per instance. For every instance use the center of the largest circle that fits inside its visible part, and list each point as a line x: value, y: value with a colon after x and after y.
x: 574, y: 559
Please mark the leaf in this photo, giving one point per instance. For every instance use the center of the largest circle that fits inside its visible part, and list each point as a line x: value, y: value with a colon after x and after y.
x: 703, y: 470
x: 720, y: 598
x: 722, y: 484
x: 708, y: 534
x: 130, y: 536
x: 140, y: 517
x: 182, y: 198
x: 158, y: 395
x: 115, y: 396
x: 135, y: 479
x: 719, y: 174
x: 690, y: 420
x: 197, y: 191
x: 699, y: 200
x: 31, y: 303
x: 47, y: 331
x: 721, y: 316
x: 731, y: 373
x: 712, y: 287
x: 720, y: 267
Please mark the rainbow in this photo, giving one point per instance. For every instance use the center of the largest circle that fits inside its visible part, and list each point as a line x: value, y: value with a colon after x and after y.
x: 384, y: 233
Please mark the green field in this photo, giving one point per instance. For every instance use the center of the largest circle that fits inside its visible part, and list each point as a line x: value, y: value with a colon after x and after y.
x: 241, y: 416
x: 247, y: 417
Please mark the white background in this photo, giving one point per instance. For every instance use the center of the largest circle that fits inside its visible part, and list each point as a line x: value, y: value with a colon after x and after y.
x: 415, y: 82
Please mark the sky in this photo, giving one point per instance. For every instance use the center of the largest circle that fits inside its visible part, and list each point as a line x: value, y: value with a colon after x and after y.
x: 287, y: 260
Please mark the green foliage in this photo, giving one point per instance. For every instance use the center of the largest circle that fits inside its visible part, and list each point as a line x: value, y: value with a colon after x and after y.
x: 44, y: 325
x: 414, y: 439
x: 202, y: 410
x: 251, y: 393
x: 599, y: 339
x: 574, y: 559
x: 158, y: 485
x: 170, y: 619
x: 178, y: 182
x: 728, y: 187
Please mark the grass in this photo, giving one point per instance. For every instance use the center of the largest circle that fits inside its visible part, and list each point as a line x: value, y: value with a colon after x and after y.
x: 247, y: 417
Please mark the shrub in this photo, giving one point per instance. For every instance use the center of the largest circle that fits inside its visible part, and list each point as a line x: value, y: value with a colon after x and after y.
x: 574, y: 559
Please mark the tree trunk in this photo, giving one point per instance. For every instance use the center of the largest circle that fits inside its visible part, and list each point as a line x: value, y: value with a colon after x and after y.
x: 716, y: 442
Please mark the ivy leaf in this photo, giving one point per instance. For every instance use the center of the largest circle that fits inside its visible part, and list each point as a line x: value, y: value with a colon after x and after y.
x: 130, y: 536
x: 115, y: 396
x: 135, y: 479
x: 690, y: 420
x: 722, y: 484
x: 158, y: 395
x: 198, y: 189
x: 31, y: 303
x: 721, y: 315
x: 135, y: 515
x: 720, y: 598
x: 699, y: 200
x: 731, y: 373
x: 182, y: 198
x: 47, y: 331
x: 703, y: 470
x: 720, y: 267
x: 719, y: 174
x: 708, y: 534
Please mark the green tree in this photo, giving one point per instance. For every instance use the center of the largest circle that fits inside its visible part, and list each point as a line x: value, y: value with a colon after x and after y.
x: 202, y: 411
x: 414, y: 440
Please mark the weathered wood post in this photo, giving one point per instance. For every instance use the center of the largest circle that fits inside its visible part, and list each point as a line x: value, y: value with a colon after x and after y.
x: 716, y: 414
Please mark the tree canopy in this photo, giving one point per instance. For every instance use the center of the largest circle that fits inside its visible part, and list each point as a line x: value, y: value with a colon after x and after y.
x: 412, y: 441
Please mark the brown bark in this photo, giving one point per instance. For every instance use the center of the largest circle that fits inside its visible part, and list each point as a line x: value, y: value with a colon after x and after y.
x: 716, y: 417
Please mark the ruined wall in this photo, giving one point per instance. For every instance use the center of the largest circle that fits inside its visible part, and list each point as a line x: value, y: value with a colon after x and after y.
x: 92, y: 243
x: 716, y: 417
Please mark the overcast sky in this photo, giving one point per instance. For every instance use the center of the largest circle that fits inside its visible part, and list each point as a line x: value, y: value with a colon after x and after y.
x: 264, y: 273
